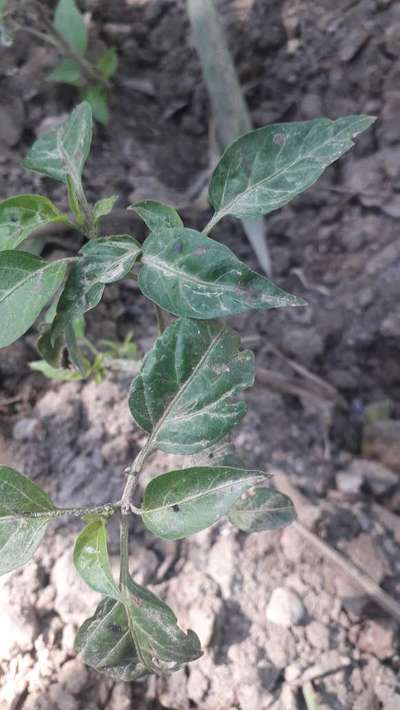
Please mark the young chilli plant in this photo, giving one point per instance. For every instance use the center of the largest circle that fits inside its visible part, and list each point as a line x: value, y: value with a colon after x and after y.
x: 186, y: 396
x: 67, y: 33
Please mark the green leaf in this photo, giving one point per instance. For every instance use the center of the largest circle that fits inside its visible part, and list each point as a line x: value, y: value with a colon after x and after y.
x: 221, y: 454
x: 262, y: 509
x: 55, y: 373
x: 193, y: 276
x: 82, y: 292
x: 67, y: 71
x: 125, y: 350
x: 127, y: 640
x: 76, y: 356
x: 27, y: 283
x: 79, y: 327
x: 266, y: 168
x: 50, y: 349
x: 105, y: 643
x: 157, y: 215
x: 3, y: 5
x: 185, y: 395
x: 180, y: 503
x: 111, y: 257
x: 64, y: 150
x: 104, y: 207
x: 92, y: 561
x: 161, y: 645
x: 22, y: 215
x: 103, y: 261
x: 108, y: 63
x: 97, y: 97
x: 20, y: 537
x: 69, y: 23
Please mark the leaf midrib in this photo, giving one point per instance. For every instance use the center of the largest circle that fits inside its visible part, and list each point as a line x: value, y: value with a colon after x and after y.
x: 183, y: 389
x: 250, y: 479
x: 218, y: 286
x: 227, y: 209
x: 155, y: 643
x: 31, y: 274
x: 103, y: 563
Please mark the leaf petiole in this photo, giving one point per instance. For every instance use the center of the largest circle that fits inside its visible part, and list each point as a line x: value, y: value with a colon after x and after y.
x: 212, y: 222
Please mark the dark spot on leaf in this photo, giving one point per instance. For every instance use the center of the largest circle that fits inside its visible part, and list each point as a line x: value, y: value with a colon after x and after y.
x: 115, y: 628
x: 176, y: 508
x: 279, y: 138
x: 200, y: 251
x: 178, y: 246
x: 13, y: 218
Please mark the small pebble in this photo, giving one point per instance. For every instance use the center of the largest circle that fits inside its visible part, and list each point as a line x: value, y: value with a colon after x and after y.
x: 285, y: 607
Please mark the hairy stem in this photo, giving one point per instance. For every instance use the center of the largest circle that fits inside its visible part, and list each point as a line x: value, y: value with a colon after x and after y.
x: 88, y: 226
x: 126, y: 510
x: 106, y: 509
x: 33, y: 33
x: 132, y: 474
x: 124, y: 551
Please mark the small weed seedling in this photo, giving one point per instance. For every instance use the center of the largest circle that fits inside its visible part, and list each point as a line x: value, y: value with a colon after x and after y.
x: 68, y: 35
x: 186, y: 394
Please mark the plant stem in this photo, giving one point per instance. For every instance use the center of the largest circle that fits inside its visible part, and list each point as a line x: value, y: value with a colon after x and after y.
x: 124, y: 551
x: 106, y: 509
x: 34, y: 33
x: 132, y: 475
x: 309, y: 696
x: 91, y: 347
x: 89, y: 228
